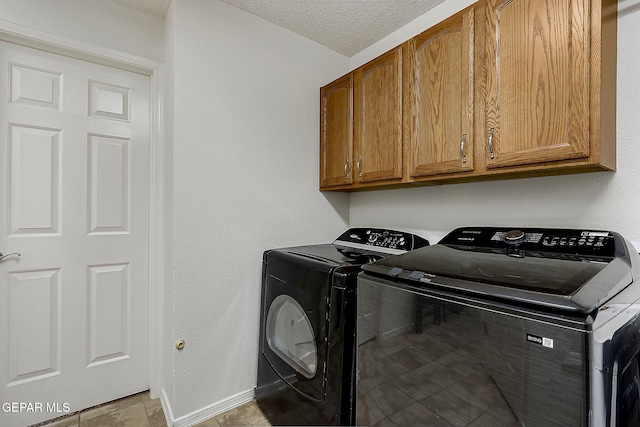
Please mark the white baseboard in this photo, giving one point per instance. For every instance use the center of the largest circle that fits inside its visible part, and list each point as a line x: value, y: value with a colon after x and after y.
x: 166, y: 407
x: 207, y: 412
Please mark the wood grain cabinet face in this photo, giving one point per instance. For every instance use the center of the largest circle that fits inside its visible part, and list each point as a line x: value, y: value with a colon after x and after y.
x: 336, y: 133
x: 378, y: 118
x: 438, y: 98
x: 537, y: 81
x: 504, y: 88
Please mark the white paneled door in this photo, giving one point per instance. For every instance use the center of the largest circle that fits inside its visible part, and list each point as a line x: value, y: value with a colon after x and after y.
x: 74, y: 202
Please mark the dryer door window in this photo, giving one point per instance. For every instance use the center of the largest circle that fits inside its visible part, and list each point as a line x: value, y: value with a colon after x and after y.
x: 290, y: 335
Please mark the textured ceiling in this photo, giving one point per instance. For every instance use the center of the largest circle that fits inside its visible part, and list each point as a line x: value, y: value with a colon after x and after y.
x: 345, y: 26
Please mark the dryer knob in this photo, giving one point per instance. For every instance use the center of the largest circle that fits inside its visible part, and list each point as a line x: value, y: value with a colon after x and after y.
x: 514, y: 236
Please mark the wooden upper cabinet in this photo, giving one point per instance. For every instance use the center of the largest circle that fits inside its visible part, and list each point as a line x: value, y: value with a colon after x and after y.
x: 438, y: 97
x: 537, y: 81
x: 336, y: 133
x: 503, y: 88
x: 378, y: 118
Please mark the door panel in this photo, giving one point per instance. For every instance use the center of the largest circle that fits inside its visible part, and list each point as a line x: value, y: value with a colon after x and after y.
x: 34, y: 335
x: 108, y: 320
x: 440, y: 98
x: 34, y: 86
x: 538, y: 72
x: 34, y: 162
x: 108, y: 101
x: 108, y: 184
x: 336, y: 133
x: 378, y: 118
x: 74, y: 201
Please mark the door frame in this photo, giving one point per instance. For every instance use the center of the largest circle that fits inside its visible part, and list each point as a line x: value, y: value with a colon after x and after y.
x: 29, y: 37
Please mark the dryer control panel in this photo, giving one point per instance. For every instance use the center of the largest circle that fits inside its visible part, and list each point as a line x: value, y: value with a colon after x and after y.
x: 547, y: 240
x: 382, y: 238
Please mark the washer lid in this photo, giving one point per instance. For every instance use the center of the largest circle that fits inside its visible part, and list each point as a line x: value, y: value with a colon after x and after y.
x: 335, y: 255
x: 539, y: 266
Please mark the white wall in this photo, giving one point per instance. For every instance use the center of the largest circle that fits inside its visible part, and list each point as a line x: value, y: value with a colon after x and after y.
x: 603, y: 200
x: 167, y: 383
x: 102, y: 22
x: 246, y: 109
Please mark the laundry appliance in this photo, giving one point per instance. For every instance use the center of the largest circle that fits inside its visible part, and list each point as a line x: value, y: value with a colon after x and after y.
x: 495, y: 326
x: 306, y: 362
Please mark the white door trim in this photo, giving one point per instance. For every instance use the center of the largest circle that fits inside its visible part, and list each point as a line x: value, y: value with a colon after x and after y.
x: 53, y: 43
x: 30, y: 37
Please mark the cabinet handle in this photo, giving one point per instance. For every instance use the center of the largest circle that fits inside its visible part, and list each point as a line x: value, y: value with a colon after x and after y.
x: 359, y: 166
x: 464, y: 157
x: 2, y: 257
x: 491, y: 153
x: 346, y: 167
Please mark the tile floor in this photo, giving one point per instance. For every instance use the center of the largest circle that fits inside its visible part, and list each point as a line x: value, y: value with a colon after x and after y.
x: 141, y: 411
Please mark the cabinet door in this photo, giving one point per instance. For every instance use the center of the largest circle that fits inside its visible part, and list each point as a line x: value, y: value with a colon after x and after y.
x: 378, y: 118
x: 336, y: 133
x: 537, y: 77
x: 439, y: 97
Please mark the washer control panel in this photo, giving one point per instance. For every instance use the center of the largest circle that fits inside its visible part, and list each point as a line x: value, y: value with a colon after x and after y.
x: 587, y: 242
x: 382, y: 238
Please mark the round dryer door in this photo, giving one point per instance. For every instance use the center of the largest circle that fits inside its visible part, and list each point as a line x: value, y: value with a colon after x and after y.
x: 290, y: 335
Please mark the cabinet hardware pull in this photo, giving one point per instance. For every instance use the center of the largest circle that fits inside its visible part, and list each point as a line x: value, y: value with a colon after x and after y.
x: 464, y: 157
x: 491, y: 153
x: 2, y: 257
x: 346, y: 167
x: 359, y: 166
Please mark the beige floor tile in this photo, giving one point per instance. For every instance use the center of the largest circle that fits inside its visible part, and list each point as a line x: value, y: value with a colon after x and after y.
x: 71, y: 421
x: 262, y: 421
x: 212, y: 422
x: 113, y: 406
x: 131, y: 416
x: 154, y: 413
x: 141, y: 411
x: 152, y: 405
x: 246, y: 415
